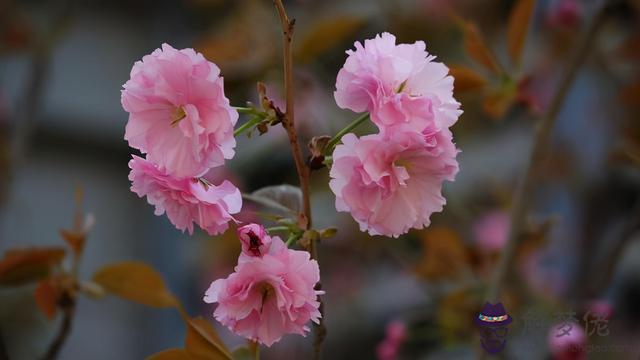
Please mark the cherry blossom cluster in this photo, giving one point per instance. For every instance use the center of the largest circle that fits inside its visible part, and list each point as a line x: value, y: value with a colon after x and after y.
x: 180, y: 118
x: 392, y: 181
x: 271, y: 292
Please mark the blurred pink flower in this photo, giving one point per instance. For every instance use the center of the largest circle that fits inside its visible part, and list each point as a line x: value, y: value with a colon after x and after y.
x: 389, y: 348
x: 491, y: 231
x: 178, y: 113
x: 185, y: 200
x: 391, y: 184
x: 567, y: 341
x: 255, y: 240
x: 269, y: 296
x: 602, y: 308
x: 564, y: 13
x: 400, y: 85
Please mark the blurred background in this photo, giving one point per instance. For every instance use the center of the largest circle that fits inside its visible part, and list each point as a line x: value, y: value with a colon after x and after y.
x: 62, y: 66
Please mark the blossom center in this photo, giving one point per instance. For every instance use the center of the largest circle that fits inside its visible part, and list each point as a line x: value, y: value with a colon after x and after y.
x: 267, y: 291
x: 177, y: 115
x: 254, y: 243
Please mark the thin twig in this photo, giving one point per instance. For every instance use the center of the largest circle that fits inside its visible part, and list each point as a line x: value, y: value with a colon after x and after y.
x: 525, y: 188
x: 4, y: 354
x: 303, y: 170
x: 68, y: 305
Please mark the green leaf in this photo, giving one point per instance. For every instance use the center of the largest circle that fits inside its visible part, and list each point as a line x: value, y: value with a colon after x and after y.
x: 137, y: 282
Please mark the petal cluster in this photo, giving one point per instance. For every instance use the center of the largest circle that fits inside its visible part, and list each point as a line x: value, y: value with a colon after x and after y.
x: 178, y: 113
x: 392, y: 181
x: 185, y: 200
x: 269, y: 295
x: 392, y: 184
x: 400, y: 85
x: 180, y: 118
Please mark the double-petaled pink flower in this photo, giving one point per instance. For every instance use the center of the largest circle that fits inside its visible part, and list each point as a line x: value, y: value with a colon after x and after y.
x: 180, y: 117
x: 270, y: 294
x: 391, y: 184
x: 400, y: 85
x: 392, y: 181
x: 178, y: 113
x: 185, y: 200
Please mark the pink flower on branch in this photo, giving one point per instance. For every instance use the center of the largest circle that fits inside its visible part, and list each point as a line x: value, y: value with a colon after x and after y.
x: 391, y: 184
x: 178, y: 113
x: 255, y: 240
x: 185, y: 200
x: 400, y: 85
x: 268, y: 296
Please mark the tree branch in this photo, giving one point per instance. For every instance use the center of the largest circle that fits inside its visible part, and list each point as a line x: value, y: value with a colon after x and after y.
x: 302, y: 169
x: 68, y: 306
x: 525, y: 188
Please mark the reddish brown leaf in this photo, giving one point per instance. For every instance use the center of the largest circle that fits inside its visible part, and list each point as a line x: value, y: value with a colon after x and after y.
x: 170, y: 354
x: 518, y: 27
x: 477, y: 48
x: 21, y: 266
x: 466, y: 79
x: 327, y: 34
x: 630, y: 94
x: 444, y: 254
x: 47, y: 295
x: 203, y: 342
x: 137, y: 282
x: 76, y: 240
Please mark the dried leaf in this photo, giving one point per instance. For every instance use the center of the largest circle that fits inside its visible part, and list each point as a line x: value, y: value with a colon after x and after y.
x: 327, y: 34
x: 136, y: 282
x: 47, y: 295
x: 499, y: 101
x: 285, y: 198
x: 21, y: 266
x: 444, y: 254
x: 76, y: 240
x: 203, y: 342
x: 242, y: 353
x: 170, y: 354
x: 477, y: 48
x: 518, y: 27
x: 455, y: 315
x: 466, y: 79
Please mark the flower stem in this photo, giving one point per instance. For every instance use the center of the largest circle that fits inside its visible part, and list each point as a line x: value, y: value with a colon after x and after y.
x: 245, y: 110
x: 247, y: 125
x: 347, y: 129
x: 278, y: 228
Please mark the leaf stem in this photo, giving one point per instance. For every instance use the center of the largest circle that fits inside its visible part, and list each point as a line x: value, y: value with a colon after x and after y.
x: 347, y: 129
x: 278, y: 228
x: 247, y: 125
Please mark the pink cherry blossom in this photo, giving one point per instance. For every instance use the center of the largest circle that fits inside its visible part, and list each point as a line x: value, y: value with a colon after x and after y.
x: 400, y: 85
x: 389, y: 348
x: 391, y: 184
x: 185, y: 200
x: 255, y: 240
x: 269, y: 296
x: 178, y: 113
x: 491, y: 231
x: 567, y: 341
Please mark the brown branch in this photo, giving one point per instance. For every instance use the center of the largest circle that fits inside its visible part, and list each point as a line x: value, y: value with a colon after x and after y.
x: 68, y: 306
x: 4, y: 354
x: 526, y: 186
x: 303, y: 170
